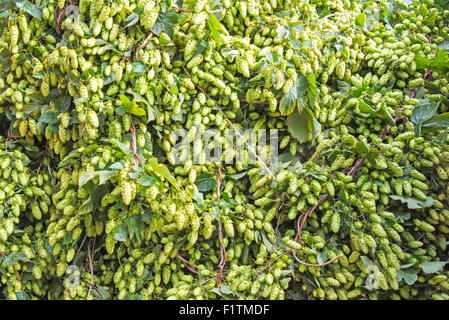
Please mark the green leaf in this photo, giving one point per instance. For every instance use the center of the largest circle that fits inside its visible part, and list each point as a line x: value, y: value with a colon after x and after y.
x: 439, y: 121
x: 362, y: 147
x: 322, y: 257
x: 408, y: 277
x: 421, y: 62
x: 413, y: 203
x: 295, y: 96
x: 228, y: 52
x: 432, y: 267
x: 216, y: 28
x: 344, y: 196
x: 13, y: 258
x: 138, y: 111
x: 300, y: 125
x: 226, y: 290
x: 126, y: 101
x: 372, y: 156
x: 135, y: 226
x: 237, y: 176
x: 85, y: 177
x: 288, y: 102
x: 301, y: 84
x: 103, y: 291
x: 30, y: 108
x: 138, y: 67
x: 311, y: 84
x: 162, y: 170
x: 86, y: 207
x: 22, y: 295
x: 386, y: 115
x: 49, y: 117
x: 120, y: 145
x: 121, y: 232
x: 146, y: 181
x: 440, y: 61
x: 199, y: 199
x: 165, y: 23
x: 39, y: 75
x: 426, y: 110
x: 63, y: 103
x: 366, y: 261
x: 104, y: 176
x: 117, y: 166
x: 444, y: 45
x: 365, y: 108
x: 131, y: 106
x: 5, y: 13
x: 132, y: 19
x: 360, y: 20
x: 205, y: 182
x: 420, y: 92
x: 29, y: 8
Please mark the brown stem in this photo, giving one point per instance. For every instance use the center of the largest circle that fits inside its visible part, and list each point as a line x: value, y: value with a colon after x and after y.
x: 163, y: 289
x: 142, y: 45
x: 277, y: 258
x: 216, y: 11
x: 89, y: 255
x: 95, y: 288
x: 359, y: 162
x: 10, y: 135
x: 134, y: 142
x: 81, y: 245
x: 186, y: 263
x: 58, y: 27
x: 220, y: 232
x: 305, y: 215
x: 357, y: 165
x: 59, y: 18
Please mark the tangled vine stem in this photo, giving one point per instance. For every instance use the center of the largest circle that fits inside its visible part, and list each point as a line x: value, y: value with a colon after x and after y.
x: 186, y: 263
x: 134, y: 142
x: 95, y: 288
x: 81, y: 245
x: 277, y: 258
x: 142, y: 45
x: 323, y: 198
x: 220, y: 231
x: 61, y: 16
x: 89, y: 255
x: 163, y: 289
